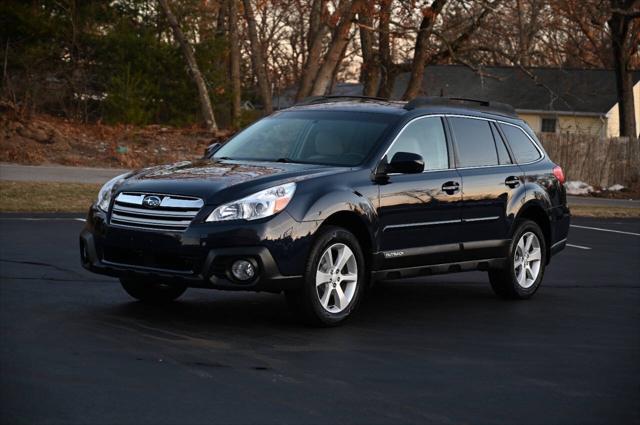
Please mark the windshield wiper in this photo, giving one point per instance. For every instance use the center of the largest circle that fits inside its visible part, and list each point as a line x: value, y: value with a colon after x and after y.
x: 285, y: 160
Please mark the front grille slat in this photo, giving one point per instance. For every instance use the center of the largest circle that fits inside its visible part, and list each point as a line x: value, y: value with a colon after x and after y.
x: 152, y: 213
x: 175, y: 213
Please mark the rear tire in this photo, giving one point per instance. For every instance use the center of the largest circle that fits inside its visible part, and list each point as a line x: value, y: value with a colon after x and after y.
x: 523, y: 273
x: 334, y: 279
x: 151, y: 291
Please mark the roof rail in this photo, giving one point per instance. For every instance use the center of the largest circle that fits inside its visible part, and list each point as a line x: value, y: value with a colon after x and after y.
x: 480, y: 104
x: 327, y: 98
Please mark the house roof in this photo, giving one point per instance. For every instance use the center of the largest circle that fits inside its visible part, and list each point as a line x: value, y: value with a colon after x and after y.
x: 546, y: 89
x: 570, y: 90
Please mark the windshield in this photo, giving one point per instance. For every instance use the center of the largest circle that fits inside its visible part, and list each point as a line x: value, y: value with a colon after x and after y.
x: 314, y: 137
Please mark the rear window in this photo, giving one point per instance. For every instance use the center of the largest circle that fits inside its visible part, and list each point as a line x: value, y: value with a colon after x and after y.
x: 521, y: 145
x: 474, y: 140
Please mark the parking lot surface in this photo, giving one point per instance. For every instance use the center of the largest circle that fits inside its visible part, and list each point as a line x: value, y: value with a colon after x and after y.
x: 443, y: 349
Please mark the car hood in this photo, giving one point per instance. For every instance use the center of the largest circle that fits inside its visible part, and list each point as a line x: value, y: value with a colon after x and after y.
x: 206, y: 178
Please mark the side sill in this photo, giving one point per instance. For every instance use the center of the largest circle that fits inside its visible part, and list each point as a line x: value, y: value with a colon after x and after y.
x: 464, y: 266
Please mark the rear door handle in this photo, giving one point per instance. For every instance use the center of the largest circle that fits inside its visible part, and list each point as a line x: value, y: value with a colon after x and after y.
x: 512, y: 181
x: 451, y: 187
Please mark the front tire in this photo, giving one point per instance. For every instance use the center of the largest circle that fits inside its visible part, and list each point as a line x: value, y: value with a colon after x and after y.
x: 334, y: 279
x: 522, y: 275
x: 152, y: 292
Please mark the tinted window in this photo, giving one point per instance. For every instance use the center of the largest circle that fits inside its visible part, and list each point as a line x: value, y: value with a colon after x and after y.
x: 332, y: 138
x: 425, y: 137
x: 474, y: 141
x: 503, y: 153
x: 521, y: 146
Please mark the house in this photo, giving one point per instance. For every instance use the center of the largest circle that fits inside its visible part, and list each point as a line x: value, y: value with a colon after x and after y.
x: 551, y: 100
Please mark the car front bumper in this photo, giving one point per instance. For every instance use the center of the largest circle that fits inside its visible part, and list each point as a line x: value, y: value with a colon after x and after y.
x: 202, y: 255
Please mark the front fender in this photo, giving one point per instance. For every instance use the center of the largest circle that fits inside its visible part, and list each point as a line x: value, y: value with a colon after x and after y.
x: 318, y: 206
x: 321, y: 207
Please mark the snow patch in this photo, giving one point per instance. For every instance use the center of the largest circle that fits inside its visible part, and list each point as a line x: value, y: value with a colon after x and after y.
x: 578, y: 187
x: 615, y: 188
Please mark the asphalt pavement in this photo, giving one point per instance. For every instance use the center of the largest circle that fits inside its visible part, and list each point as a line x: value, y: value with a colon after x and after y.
x: 75, y: 349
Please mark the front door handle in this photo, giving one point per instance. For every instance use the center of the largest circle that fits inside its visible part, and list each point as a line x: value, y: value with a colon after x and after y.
x: 512, y: 181
x: 451, y: 187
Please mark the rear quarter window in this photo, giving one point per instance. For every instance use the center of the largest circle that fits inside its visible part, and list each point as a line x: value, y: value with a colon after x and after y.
x: 521, y: 145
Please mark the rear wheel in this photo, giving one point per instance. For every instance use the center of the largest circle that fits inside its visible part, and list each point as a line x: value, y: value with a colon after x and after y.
x: 151, y: 291
x: 334, y: 279
x: 524, y: 271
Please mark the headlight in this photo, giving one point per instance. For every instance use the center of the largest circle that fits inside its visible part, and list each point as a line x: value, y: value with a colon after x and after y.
x: 259, y: 205
x: 104, y: 196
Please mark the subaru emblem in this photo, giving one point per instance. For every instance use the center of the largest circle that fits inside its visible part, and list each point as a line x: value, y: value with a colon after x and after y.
x: 151, y: 201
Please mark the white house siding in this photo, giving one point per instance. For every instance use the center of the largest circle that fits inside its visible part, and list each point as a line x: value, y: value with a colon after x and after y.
x: 613, y: 116
x: 567, y: 123
x: 534, y: 121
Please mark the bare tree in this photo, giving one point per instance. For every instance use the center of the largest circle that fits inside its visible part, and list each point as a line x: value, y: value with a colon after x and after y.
x: 234, y: 57
x: 194, y: 70
x: 339, y: 41
x: 387, y: 68
x: 370, y: 71
x: 421, y: 54
x: 315, y: 39
x: 257, y: 58
x: 624, y: 41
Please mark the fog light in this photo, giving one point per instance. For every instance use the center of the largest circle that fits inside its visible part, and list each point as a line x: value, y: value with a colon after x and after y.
x: 243, y: 270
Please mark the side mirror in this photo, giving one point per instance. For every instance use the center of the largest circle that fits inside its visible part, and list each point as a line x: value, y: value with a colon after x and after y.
x: 211, y: 149
x: 406, y: 163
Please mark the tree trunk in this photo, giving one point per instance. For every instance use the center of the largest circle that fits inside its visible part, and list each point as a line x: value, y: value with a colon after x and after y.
x: 257, y: 58
x: 234, y: 43
x: 387, y: 71
x: 187, y: 51
x: 317, y: 32
x: 370, y: 71
x: 336, y: 70
x: 420, y: 54
x: 335, y: 54
x: 619, y: 26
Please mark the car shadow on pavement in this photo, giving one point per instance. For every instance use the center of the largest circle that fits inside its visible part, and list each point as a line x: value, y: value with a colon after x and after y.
x: 210, y: 311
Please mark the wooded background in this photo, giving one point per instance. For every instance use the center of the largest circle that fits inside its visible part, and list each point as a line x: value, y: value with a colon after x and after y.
x: 181, y: 62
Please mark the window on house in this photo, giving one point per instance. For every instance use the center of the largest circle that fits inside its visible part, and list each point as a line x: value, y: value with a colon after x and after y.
x: 549, y: 125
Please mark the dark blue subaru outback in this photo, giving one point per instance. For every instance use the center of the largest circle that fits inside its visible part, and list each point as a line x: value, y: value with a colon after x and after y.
x: 324, y: 198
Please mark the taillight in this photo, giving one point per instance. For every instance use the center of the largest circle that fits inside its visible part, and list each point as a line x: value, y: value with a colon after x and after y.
x: 557, y: 171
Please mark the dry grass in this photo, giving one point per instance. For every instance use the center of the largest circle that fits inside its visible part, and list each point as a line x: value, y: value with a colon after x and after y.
x: 600, y: 211
x: 46, y: 196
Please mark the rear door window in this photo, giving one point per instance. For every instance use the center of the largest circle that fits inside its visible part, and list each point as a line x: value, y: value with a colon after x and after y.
x: 474, y: 141
x: 521, y: 145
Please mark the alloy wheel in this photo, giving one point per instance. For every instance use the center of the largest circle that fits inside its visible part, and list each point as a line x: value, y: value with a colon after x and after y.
x: 336, y: 278
x: 527, y: 260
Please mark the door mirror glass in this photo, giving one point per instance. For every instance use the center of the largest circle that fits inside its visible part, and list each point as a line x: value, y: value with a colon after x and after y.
x: 406, y: 163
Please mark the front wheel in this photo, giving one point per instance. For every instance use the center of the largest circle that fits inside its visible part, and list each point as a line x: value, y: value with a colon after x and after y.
x: 150, y: 291
x: 334, y: 279
x: 523, y: 273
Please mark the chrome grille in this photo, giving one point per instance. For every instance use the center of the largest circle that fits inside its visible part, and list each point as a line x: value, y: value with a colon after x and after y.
x: 174, y: 213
